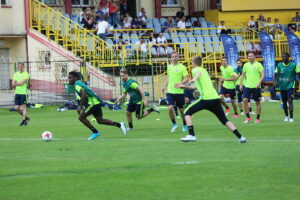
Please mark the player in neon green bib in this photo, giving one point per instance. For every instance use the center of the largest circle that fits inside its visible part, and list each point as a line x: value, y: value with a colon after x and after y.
x: 285, y: 77
x: 253, y: 71
x: 209, y: 100
x: 21, y: 82
x: 137, y: 101
x: 228, y: 86
x: 177, y: 73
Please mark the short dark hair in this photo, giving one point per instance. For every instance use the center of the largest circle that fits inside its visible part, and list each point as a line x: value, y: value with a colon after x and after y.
x: 75, y: 74
x: 286, y: 54
x: 239, y: 60
x: 21, y: 63
x: 124, y: 71
x: 251, y: 52
x: 197, y: 60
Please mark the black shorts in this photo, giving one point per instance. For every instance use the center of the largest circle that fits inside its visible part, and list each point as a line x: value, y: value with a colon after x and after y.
x: 137, y: 108
x: 175, y: 99
x: 213, y: 106
x: 255, y: 93
x: 94, y: 110
x: 225, y: 91
x: 287, y: 94
x: 239, y: 94
x: 20, y: 99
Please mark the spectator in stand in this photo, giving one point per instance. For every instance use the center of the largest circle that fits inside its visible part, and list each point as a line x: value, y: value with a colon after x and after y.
x: 261, y: 17
x: 182, y: 23
x: 112, y: 11
x: 102, y: 28
x: 90, y: 24
x: 142, y: 16
x: 180, y: 14
x: 127, y: 23
x: 293, y: 24
x: 123, y: 8
x: 120, y: 43
x: 297, y: 17
x: 167, y: 26
x: 83, y: 16
x: 99, y: 13
x: 136, y: 24
x: 252, y: 24
x: 222, y: 28
x: 92, y: 12
x: 142, y: 46
x: 104, y: 8
x: 129, y: 17
x: 153, y: 42
x: 162, y: 41
x: 269, y: 26
x: 278, y: 26
x: 297, y: 33
x: 261, y: 22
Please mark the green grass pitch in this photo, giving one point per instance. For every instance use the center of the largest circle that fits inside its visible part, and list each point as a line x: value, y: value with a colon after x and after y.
x: 150, y: 163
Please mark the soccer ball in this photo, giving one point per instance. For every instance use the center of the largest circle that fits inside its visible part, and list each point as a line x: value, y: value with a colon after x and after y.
x: 46, y: 136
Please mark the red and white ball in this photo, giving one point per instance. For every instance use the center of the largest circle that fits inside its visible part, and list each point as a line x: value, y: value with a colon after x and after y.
x: 46, y: 136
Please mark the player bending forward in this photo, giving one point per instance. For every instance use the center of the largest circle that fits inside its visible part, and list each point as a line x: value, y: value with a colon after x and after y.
x: 209, y: 100
x: 137, y: 101
x: 90, y: 104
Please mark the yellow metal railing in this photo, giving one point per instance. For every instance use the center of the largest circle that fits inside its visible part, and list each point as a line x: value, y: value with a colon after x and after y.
x: 69, y: 34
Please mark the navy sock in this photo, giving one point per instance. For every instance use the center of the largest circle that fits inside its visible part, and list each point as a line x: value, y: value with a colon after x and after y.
x: 117, y: 124
x: 237, y: 133
x: 130, y: 125
x: 191, y: 130
x: 94, y: 130
x: 173, y: 121
x: 150, y: 110
x: 248, y: 115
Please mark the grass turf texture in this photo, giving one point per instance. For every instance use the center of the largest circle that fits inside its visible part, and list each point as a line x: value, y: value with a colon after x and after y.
x: 150, y: 162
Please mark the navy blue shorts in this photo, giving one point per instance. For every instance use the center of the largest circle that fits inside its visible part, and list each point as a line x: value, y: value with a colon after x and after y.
x: 137, y: 108
x: 20, y: 99
x: 255, y: 93
x: 95, y: 110
x: 213, y: 106
x: 175, y: 99
x: 239, y: 94
x: 287, y: 94
x: 225, y: 91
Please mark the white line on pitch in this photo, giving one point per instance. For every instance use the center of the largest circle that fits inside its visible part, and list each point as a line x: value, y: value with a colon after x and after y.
x: 148, y: 139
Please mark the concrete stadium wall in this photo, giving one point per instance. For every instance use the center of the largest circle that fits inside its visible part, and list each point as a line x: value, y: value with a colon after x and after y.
x: 12, y: 19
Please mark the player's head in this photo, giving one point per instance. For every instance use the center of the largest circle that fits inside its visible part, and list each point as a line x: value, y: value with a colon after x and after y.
x: 21, y: 66
x: 285, y: 57
x: 239, y: 63
x: 197, y: 61
x: 174, y: 57
x: 224, y: 61
x: 73, y: 77
x: 124, y: 74
x: 251, y: 56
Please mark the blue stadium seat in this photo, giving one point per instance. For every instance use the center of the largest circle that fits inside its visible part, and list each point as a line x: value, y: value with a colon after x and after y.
x: 109, y: 41
x: 175, y: 40
x: 216, y: 39
x: 157, y: 30
x: 197, y: 32
x: 66, y: 15
x: 154, y: 52
x: 213, y: 32
x: 149, y: 26
x: 205, y: 32
x: 201, y: 19
x: 200, y: 39
x: 209, y: 48
x: 181, y: 34
x: 167, y: 36
x: 162, y: 20
x: 207, y: 39
x: 204, y: 25
x: 193, y: 19
x: 169, y: 50
x: 191, y: 39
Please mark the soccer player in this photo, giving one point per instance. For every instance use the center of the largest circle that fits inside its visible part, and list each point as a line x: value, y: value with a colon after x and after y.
x: 228, y: 86
x: 253, y: 71
x: 21, y: 82
x: 209, y: 100
x: 137, y: 101
x: 239, y: 71
x: 285, y: 77
x: 177, y: 73
x: 93, y: 107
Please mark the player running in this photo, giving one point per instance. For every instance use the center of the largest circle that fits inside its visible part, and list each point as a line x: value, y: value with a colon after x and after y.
x: 209, y: 100
x: 253, y: 71
x: 285, y: 77
x: 239, y: 71
x: 177, y: 73
x: 21, y: 82
x: 93, y: 107
x: 228, y: 86
x: 137, y: 101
